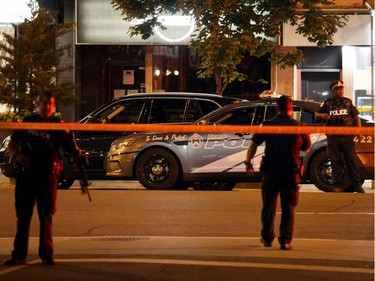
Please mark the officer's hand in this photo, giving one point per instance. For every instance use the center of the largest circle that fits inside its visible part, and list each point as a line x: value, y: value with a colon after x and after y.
x: 22, y: 160
x: 326, y: 116
x: 249, y: 168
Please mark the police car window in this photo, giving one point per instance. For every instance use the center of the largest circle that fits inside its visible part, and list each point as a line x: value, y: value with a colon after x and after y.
x: 168, y: 111
x: 270, y: 112
x: 240, y: 116
x: 307, y: 117
x: 191, y: 113
x: 259, y: 115
x: 207, y: 106
x: 123, y: 112
x: 297, y: 113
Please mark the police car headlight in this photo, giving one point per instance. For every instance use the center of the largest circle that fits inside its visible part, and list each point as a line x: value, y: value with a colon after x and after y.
x: 5, y: 143
x: 123, y: 144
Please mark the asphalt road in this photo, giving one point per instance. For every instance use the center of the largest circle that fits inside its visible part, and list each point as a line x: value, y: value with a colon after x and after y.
x: 128, y: 233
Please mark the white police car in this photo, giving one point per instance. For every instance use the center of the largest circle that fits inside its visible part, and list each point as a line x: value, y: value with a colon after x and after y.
x: 214, y: 161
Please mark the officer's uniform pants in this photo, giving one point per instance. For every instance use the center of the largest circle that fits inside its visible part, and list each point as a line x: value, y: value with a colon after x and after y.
x: 343, y: 145
x: 273, y: 184
x: 41, y: 189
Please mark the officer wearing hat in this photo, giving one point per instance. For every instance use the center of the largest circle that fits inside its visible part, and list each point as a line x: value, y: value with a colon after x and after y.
x: 340, y: 111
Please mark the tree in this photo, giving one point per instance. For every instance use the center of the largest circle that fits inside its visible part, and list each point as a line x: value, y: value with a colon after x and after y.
x: 228, y: 29
x: 32, y: 61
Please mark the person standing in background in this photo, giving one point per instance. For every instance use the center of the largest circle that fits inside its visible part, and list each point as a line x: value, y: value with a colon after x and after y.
x: 37, y: 156
x: 280, y: 170
x: 340, y: 111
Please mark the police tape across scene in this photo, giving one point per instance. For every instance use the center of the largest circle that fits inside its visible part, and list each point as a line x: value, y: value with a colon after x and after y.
x: 190, y: 128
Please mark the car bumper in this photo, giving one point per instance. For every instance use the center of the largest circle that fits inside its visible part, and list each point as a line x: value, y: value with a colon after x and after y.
x: 120, y: 165
x: 366, y: 165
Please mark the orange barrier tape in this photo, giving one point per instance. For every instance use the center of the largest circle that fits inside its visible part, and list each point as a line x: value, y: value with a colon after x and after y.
x: 190, y: 128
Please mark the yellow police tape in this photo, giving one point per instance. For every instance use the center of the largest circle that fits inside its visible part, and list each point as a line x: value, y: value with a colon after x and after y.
x: 190, y: 128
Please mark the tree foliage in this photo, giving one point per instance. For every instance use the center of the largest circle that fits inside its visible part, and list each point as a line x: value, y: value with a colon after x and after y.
x: 31, y: 61
x: 227, y: 29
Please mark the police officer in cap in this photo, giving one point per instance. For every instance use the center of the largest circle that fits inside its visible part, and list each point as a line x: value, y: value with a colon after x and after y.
x: 340, y: 111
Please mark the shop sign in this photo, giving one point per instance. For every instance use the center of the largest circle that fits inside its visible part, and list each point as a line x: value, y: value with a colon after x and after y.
x: 99, y: 23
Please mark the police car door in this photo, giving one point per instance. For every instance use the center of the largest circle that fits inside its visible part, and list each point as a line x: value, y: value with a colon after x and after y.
x: 221, y: 153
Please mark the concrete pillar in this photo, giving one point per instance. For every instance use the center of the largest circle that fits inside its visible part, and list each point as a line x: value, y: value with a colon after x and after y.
x: 68, y: 76
x: 149, y: 73
x: 284, y: 81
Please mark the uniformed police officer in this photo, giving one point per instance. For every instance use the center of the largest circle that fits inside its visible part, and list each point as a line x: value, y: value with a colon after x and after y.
x: 340, y: 111
x: 36, y: 152
x: 280, y: 169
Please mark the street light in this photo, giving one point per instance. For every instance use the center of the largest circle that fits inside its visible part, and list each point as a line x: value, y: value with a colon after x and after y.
x: 372, y: 56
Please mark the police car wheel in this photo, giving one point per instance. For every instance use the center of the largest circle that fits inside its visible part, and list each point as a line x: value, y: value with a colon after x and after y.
x: 157, y: 169
x: 218, y: 186
x: 8, y: 170
x: 65, y: 183
x: 321, y: 172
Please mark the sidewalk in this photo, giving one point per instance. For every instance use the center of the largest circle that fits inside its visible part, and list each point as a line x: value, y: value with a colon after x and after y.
x: 304, y: 248
x: 85, y: 257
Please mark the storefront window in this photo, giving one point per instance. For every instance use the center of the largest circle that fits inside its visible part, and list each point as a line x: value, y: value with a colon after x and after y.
x: 357, y: 73
x: 167, y: 69
x: 319, y: 68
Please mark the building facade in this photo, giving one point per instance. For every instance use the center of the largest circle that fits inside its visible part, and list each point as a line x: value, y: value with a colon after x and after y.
x: 109, y: 63
x: 350, y: 58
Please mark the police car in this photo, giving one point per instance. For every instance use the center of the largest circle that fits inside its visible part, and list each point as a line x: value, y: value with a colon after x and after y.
x: 214, y: 161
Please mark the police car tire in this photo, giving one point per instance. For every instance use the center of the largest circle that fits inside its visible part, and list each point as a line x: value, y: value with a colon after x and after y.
x: 8, y: 171
x: 317, y: 162
x: 167, y: 159
x: 65, y: 183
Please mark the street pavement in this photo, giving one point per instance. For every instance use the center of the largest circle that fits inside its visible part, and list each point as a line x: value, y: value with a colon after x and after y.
x: 135, y: 185
x: 195, y: 257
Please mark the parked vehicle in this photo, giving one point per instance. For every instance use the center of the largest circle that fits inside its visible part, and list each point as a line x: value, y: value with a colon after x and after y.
x: 214, y: 161
x: 146, y: 108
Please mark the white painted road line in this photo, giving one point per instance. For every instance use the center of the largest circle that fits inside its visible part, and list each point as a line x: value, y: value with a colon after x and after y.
x: 140, y: 237
x: 18, y: 267
x: 205, y: 249
x: 203, y: 263
x: 222, y: 264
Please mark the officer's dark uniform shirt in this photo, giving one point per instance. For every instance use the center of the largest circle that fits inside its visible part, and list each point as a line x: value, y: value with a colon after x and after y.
x: 341, y: 110
x: 283, y: 148
x: 41, y: 146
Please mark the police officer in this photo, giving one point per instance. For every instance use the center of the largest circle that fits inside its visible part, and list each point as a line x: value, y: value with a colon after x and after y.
x: 36, y: 152
x: 280, y: 170
x: 340, y: 111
